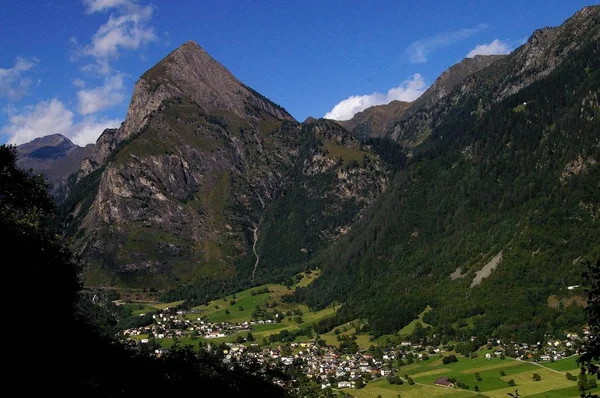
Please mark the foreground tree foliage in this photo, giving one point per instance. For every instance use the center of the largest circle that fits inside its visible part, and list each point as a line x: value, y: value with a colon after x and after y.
x: 590, y: 359
x: 61, y: 351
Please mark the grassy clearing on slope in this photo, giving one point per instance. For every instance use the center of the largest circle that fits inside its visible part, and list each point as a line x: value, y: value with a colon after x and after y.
x: 568, y: 392
x: 363, y: 340
x: 524, y: 382
x: 245, y: 302
x: 408, y: 329
x: 464, y: 370
x: 347, y: 154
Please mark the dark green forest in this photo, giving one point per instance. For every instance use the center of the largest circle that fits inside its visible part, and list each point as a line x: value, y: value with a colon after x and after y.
x: 484, y: 182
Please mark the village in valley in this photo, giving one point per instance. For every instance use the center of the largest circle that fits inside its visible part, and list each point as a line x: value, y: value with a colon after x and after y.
x: 329, y: 365
x: 253, y: 326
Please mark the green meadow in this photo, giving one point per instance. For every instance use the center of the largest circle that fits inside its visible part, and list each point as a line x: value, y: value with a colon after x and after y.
x: 239, y: 307
x: 494, y: 376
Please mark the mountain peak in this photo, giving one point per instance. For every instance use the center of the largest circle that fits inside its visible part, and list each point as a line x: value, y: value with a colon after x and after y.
x: 54, y: 145
x: 190, y: 46
x: 189, y: 71
x: 50, y: 140
x: 54, y: 156
x: 190, y: 43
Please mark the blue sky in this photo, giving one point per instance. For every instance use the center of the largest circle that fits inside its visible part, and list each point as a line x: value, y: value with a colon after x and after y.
x: 68, y: 66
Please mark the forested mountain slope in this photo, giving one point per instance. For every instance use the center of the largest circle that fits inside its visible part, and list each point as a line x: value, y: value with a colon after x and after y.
x: 512, y: 178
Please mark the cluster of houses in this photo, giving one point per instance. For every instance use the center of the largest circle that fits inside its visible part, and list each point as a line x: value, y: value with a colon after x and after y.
x: 169, y: 325
x: 322, y: 364
x: 331, y: 368
x: 551, y: 350
x: 343, y: 370
x: 326, y: 364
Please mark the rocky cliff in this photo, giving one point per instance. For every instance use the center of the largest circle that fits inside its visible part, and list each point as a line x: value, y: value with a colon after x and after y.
x: 201, y: 173
x: 187, y: 71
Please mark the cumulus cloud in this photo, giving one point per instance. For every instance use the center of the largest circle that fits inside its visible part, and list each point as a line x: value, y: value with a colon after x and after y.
x: 495, y: 47
x: 418, y: 51
x: 52, y: 117
x: 128, y: 28
x: 12, y: 84
x: 409, y: 90
x: 97, y: 99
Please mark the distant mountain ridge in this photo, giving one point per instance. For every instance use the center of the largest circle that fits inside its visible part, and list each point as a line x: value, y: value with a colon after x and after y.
x: 375, y: 121
x: 380, y: 120
x: 54, y: 156
x: 542, y: 52
x: 545, y: 50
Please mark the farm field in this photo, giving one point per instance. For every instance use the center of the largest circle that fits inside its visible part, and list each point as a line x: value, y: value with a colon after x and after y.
x: 493, y: 383
x: 564, y: 365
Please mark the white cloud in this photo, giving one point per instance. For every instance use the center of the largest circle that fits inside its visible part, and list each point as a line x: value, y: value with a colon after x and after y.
x: 419, y: 50
x: 409, y: 90
x: 79, y: 83
x: 97, y: 99
x: 89, y: 129
x: 127, y: 28
x: 102, y: 5
x: 495, y: 47
x: 12, y: 85
x: 52, y: 117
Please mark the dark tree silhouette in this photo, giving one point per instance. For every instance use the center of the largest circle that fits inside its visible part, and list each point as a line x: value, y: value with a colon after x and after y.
x: 58, y: 350
x: 590, y: 355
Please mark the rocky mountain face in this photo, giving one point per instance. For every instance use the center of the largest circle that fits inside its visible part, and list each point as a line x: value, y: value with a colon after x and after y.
x: 497, y: 205
x: 450, y: 78
x: 204, y: 179
x: 54, y: 156
x: 376, y: 120
x: 188, y: 71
